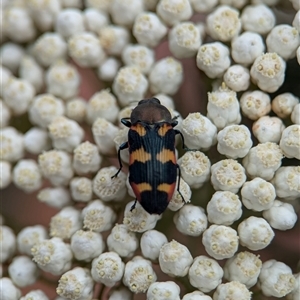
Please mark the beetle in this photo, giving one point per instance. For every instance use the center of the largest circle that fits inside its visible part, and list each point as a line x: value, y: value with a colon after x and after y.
x: 152, y: 160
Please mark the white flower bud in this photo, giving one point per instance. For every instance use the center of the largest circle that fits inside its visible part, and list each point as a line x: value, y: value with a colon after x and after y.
x: 56, y: 166
x: 138, y: 220
x: 29, y: 236
x: 130, y: 84
x: 284, y: 40
x: 124, y: 12
x: 86, y: 245
x: 4, y: 111
x: 102, y: 5
x: 76, y: 109
x: 97, y: 216
x: 175, y: 259
x: 57, y: 197
x: 102, y: 104
x: 290, y: 141
x: 108, y: 268
x: 65, y: 133
x: 8, y: 243
x: 235, y: 3
x: 281, y: 215
x: 122, y: 137
x: 95, y: 19
x: 139, y: 56
x: 184, y: 40
x: 69, y: 21
x: 49, y: 48
x: 108, y: 188
x: 268, y: 72
x: 205, y: 273
x: 53, y: 256
x: 295, y: 4
x: 12, y: 144
x: 266, y: 2
x: 176, y: 201
x: 113, y: 39
x: 295, y: 294
x: 81, y: 189
x: 258, y: 18
x: 198, y: 131
x: 263, y: 160
x: 203, y: 6
x: 35, y: 295
x: 86, y: 158
x: 76, y: 284
x: 11, y: 55
x: 44, y: 13
x: 220, y: 241
x: 104, y: 133
x: 166, y: 76
x: 196, y: 295
x: 122, y: 293
x: 109, y: 68
x: 139, y: 274
x: 85, y: 49
x: 44, y: 109
x: 255, y: 233
x: 62, y: 80
x: 195, y: 168
x: 223, y: 23
x: 237, y: 78
x: 148, y: 29
x: 174, y: 11
x: 5, y: 174
x: 227, y: 175
x: 233, y: 290
x: 32, y: 72
x: 66, y: 222
x: 23, y: 271
x: 246, y: 47
x: 167, y: 290
x: 283, y: 104
x: 151, y: 242
x: 255, y: 104
x: 296, y: 21
x: 18, y: 94
x: 295, y: 115
x: 213, y: 59
x: 190, y: 220
x: 27, y: 176
x: 276, y: 279
x: 268, y: 129
x: 223, y: 107
x: 286, y: 182
x: 122, y: 241
x: 8, y: 291
x: 258, y: 194
x: 165, y: 100
x: 243, y: 267
x: 224, y: 208
x: 18, y: 25
x: 234, y: 141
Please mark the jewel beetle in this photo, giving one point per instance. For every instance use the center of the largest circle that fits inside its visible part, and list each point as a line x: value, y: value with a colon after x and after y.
x: 152, y: 160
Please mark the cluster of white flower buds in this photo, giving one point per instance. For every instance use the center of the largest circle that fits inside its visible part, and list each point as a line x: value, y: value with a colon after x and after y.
x: 59, y: 139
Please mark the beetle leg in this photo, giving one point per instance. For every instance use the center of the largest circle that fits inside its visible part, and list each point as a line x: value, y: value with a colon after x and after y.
x: 178, y: 185
x: 122, y: 147
x: 182, y: 138
x: 133, y: 206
